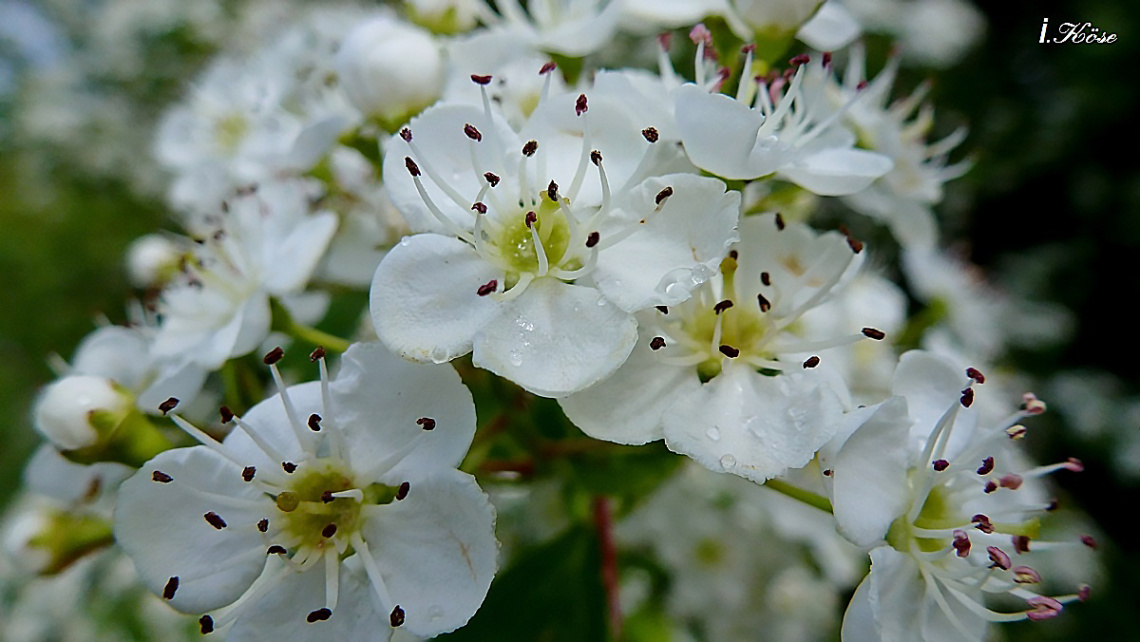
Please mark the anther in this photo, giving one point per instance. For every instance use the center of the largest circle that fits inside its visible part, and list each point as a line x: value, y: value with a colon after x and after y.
x: 811, y: 362
x: 320, y: 615
x: 663, y: 194
x: 206, y: 624
x: 855, y: 244
x: 1016, y: 432
x: 413, y: 169
x: 491, y: 178
x: 315, y: 422
x: 480, y: 207
x: 1031, y: 405
x: 700, y: 33
x: 226, y: 413
x: 1088, y: 541
x: 872, y: 333
x: 827, y: 59
x: 663, y: 309
x: 480, y: 80
x: 263, y: 525
x: 733, y: 254
x: 168, y: 405
x: 766, y: 278
x: 161, y: 477
x: 406, y: 134
x: 651, y: 134
x: 487, y: 287
x: 999, y: 558
x: 729, y: 351
x: 427, y: 423
x: 596, y: 157
x: 801, y: 59
x: 215, y: 520
x: 765, y: 304
x: 1010, y: 481
x: 1074, y: 465
x: 656, y: 343
x: 987, y: 466
x: 552, y: 191
x: 1043, y: 608
x: 547, y: 68
x: 592, y: 239
x: 397, y: 617
x: 940, y: 465
x: 967, y: 397
x: 528, y: 149
x: 1020, y: 543
x: 976, y: 375
x: 1083, y: 592
x: 780, y: 222
x: 989, y: 487
x: 328, y: 531
x: 827, y: 472
x: 317, y: 354
x: 276, y: 549
x: 580, y: 106
x: 961, y: 543
x: 170, y: 588
x: 982, y: 523
x: 471, y: 132
x: 273, y: 356
x: 1025, y: 575
x: 722, y: 306
x: 327, y: 497
x: 248, y: 472
x: 288, y: 467
x: 402, y: 491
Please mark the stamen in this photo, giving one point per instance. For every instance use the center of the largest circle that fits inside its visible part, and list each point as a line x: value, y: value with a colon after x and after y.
x: 170, y: 588
x: 999, y: 558
x: 940, y: 465
x: 729, y: 351
x: 967, y: 397
x: 812, y: 362
x: 402, y: 491
x: 168, y: 405
x: 1021, y: 543
x: 263, y: 525
x: 662, y: 195
x: 248, y: 472
x: 651, y: 134
x: 487, y: 287
x: 289, y: 467
x: 427, y: 423
x: 722, y: 306
x: 987, y: 466
x: 276, y: 549
x: 1026, y: 575
x: 315, y: 422
x: 974, y: 374
x: 161, y: 477
x: 657, y: 343
x: 961, y: 543
x: 1043, y: 608
x: 206, y: 624
x: 396, y: 619
x: 472, y: 132
x: 226, y: 414
x: 872, y: 333
x: 528, y: 150
x: 215, y: 520
x: 319, y: 615
x: 593, y: 239
x: 780, y: 222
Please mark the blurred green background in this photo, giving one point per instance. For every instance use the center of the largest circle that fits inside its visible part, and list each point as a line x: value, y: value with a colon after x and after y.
x: 1053, y: 200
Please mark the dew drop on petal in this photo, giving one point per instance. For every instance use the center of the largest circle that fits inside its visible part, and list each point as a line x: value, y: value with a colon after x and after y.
x: 702, y: 273
x: 516, y: 358
x: 440, y: 355
x: 713, y: 433
x: 602, y: 303
x: 727, y: 462
x: 524, y: 324
x: 435, y: 612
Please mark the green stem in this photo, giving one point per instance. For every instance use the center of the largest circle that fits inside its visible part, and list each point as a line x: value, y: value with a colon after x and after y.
x: 797, y: 493
x: 318, y: 337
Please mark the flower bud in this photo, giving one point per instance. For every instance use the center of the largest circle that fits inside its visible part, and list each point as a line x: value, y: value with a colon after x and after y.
x: 152, y: 260
x: 444, y: 16
x: 776, y: 17
x: 45, y: 539
x: 390, y: 70
x: 71, y: 410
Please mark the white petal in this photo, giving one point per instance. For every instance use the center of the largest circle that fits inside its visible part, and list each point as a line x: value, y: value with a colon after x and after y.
x: 754, y: 425
x: 425, y: 302
x: 870, y: 475
x: 162, y: 527
x: 831, y: 28
x: 835, y: 172
x: 556, y: 338
x: 693, y: 227
x: 719, y: 134
x: 377, y: 399
x: 436, y: 551
x: 627, y: 407
x: 859, y: 623
x: 895, y: 584
x: 282, y: 613
x: 932, y: 385
x: 292, y: 261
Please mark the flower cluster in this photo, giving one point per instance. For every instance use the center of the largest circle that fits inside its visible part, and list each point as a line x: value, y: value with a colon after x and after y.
x: 450, y: 211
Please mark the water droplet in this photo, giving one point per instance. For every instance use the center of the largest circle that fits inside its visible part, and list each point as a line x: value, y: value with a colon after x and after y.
x: 516, y: 358
x: 702, y: 273
x: 435, y: 612
x: 713, y: 433
x: 727, y: 462
x: 440, y: 355
x: 602, y: 303
x: 675, y: 289
x: 404, y: 241
x: 524, y: 324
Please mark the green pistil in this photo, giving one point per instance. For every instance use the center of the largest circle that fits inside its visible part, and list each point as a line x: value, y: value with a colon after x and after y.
x: 516, y: 244
x: 231, y: 131
x: 306, y: 513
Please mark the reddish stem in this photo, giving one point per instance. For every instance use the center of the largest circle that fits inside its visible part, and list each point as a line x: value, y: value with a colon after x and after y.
x: 603, y: 519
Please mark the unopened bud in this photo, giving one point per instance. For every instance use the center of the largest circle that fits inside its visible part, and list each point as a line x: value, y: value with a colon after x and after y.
x: 72, y: 411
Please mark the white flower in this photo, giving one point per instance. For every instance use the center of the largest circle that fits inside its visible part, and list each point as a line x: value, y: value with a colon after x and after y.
x: 903, y: 197
x: 263, y: 244
x: 725, y: 377
x: 949, y: 504
x: 572, y: 28
x: 332, y: 511
x: 64, y: 409
x: 784, y: 128
x: 533, y: 267
x: 390, y: 69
